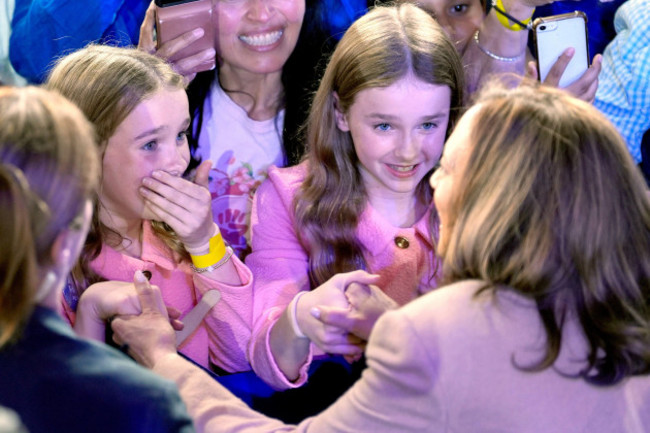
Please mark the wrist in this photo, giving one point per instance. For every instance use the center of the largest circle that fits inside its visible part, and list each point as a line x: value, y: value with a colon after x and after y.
x: 513, y: 14
x: 202, y: 247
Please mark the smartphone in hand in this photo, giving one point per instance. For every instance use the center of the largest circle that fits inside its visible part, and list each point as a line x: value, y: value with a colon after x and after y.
x: 553, y: 35
x: 175, y: 17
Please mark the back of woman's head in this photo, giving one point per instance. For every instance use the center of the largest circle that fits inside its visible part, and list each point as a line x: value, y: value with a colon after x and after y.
x: 107, y: 83
x: 49, y: 168
x: 552, y: 205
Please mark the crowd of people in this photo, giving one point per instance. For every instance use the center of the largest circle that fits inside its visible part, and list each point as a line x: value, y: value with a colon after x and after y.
x: 381, y: 190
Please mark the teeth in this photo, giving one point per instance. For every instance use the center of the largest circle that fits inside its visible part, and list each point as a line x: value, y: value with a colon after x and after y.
x: 261, y: 40
x: 402, y: 168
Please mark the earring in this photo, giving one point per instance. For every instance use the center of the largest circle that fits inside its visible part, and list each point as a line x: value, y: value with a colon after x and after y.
x: 46, y: 286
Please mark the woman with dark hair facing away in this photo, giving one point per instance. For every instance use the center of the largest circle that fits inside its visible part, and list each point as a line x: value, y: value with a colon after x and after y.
x: 54, y: 380
x: 361, y: 199
x: 544, y: 324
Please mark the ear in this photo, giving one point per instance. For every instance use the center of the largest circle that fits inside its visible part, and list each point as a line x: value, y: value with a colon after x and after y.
x: 61, y: 252
x: 69, y: 241
x: 341, y: 119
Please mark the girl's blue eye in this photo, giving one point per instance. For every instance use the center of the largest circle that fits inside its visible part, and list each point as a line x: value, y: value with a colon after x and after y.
x: 152, y: 145
x: 428, y: 125
x: 383, y: 126
x: 182, y: 136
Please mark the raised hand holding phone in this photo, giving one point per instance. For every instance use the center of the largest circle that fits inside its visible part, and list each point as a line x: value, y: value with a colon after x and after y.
x: 554, y: 36
x: 182, y: 32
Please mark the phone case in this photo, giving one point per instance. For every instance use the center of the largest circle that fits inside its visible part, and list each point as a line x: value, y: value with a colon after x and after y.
x: 553, y: 35
x: 178, y: 17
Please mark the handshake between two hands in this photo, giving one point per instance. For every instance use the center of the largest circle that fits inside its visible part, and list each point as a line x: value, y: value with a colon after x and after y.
x: 339, y: 315
x: 141, y: 323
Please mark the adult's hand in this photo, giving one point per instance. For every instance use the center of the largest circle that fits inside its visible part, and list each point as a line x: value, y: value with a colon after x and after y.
x: 186, y: 66
x: 583, y: 88
x: 149, y: 335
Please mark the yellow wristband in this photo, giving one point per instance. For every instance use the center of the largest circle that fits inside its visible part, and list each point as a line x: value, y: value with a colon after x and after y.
x: 504, y: 18
x: 217, y: 252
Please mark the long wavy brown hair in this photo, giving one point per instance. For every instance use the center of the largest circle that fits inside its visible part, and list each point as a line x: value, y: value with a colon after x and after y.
x: 107, y: 83
x: 552, y: 206
x: 49, y: 169
x: 380, y: 48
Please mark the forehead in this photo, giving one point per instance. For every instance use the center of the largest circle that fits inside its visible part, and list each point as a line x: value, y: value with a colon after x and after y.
x: 459, y: 142
x: 407, y: 96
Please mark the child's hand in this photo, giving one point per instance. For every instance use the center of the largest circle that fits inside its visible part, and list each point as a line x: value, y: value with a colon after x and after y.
x: 184, y: 205
x: 101, y: 302
x: 331, y: 294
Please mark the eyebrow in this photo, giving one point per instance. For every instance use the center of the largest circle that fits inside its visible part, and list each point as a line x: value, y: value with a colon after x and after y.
x: 383, y: 116
x: 154, y: 131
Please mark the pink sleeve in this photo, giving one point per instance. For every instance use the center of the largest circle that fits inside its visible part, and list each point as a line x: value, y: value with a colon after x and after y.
x: 229, y: 322
x: 280, y: 266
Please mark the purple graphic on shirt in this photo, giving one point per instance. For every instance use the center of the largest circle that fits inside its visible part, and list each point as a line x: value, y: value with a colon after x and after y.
x: 232, y: 200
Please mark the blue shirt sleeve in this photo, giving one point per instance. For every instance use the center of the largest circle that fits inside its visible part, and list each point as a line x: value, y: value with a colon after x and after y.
x: 44, y: 30
x: 624, y: 82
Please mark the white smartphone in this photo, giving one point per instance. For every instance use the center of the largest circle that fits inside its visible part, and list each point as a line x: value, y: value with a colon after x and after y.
x: 555, y: 34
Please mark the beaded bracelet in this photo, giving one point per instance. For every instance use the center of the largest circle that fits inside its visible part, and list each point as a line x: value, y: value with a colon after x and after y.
x: 503, y: 18
x: 496, y: 56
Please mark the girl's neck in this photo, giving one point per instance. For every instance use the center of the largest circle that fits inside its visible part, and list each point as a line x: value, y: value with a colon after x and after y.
x: 400, y: 210
x: 130, y: 231
x: 260, y: 95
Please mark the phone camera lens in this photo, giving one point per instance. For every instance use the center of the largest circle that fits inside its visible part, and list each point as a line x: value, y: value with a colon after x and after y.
x: 542, y: 27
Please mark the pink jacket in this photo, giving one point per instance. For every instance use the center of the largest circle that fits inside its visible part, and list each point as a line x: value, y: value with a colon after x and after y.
x: 444, y: 363
x: 280, y: 263
x: 224, y: 333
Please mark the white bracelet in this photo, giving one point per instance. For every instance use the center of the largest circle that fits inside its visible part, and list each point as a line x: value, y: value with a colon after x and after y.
x: 291, y: 310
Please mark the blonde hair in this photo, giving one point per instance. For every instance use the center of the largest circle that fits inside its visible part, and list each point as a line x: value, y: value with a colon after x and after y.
x: 108, y: 83
x: 49, y: 167
x: 383, y: 46
x: 552, y: 206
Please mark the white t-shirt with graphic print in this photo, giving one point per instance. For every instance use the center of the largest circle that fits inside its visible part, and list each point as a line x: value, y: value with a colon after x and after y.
x: 241, y: 150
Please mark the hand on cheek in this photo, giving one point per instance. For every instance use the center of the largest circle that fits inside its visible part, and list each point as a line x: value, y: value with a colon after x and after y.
x: 184, y: 205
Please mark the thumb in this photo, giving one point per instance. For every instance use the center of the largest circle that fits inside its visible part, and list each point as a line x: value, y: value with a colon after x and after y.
x: 146, y: 294
x: 531, y: 71
x: 202, y: 176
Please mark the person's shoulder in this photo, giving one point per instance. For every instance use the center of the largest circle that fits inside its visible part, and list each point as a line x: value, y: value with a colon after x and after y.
x: 461, y: 306
x: 456, y: 296
x: 289, y: 177
x: 93, y: 383
x: 283, y: 181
